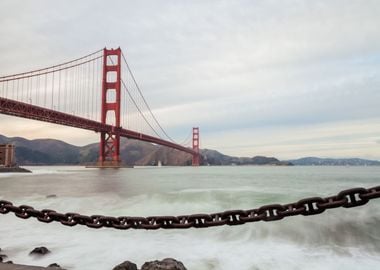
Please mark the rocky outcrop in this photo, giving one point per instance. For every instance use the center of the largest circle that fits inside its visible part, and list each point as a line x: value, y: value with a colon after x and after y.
x: 55, y: 265
x: 127, y: 265
x: 39, y: 251
x: 165, y: 264
x: 2, y: 257
x: 13, y: 170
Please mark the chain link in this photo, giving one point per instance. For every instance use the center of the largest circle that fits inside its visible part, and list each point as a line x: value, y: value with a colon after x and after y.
x: 309, y: 206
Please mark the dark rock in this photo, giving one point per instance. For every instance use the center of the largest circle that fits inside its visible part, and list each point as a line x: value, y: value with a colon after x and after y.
x: 13, y: 169
x: 51, y: 196
x: 39, y: 251
x: 127, y: 265
x: 9, y: 262
x: 2, y: 257
x: 54, y: 265
x: 165, y: 264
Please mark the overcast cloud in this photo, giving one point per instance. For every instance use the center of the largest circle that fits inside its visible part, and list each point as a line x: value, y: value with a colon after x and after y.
x: 281, y: 78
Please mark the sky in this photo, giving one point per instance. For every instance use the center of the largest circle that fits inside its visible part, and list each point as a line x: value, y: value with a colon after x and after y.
x: 277, y: 78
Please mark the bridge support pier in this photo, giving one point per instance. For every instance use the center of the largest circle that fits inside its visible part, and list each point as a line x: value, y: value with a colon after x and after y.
x: 109, y: 152
x: 196, y: 156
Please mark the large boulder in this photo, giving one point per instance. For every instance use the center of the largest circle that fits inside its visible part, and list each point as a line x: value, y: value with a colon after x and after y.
x: 127, y: 265
x: 165, y: 264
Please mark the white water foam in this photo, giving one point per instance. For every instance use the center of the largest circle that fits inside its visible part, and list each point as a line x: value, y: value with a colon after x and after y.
x: 340, y: 238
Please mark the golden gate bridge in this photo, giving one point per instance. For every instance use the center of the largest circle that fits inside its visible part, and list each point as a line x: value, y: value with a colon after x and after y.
x: 96, y: 92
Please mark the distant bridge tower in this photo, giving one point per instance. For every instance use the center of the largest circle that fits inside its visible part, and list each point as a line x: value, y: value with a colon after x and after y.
x: 196, y: 146
x: 109, y: 152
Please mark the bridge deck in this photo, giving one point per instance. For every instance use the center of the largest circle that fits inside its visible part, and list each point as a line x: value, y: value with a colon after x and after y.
x: 24, y: 110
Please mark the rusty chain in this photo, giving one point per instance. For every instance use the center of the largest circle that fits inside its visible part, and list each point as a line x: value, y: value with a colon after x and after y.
x: 306, y: 207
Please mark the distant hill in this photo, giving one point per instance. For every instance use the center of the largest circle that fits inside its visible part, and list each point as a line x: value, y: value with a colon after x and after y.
x: 314, y: 161
x: 214, y: 157
x: 55, y: 152
x: 43, y: 151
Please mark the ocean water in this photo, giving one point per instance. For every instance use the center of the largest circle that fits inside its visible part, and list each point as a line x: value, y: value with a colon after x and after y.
x: 339, y: 238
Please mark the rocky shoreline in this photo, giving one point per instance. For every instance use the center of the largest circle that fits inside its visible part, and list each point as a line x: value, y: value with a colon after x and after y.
x: 14, y: 170
x: 165, y: 264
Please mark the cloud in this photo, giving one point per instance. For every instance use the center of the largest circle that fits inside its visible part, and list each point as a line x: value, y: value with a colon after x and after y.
x: 226, y: 66
x: 338, y: 139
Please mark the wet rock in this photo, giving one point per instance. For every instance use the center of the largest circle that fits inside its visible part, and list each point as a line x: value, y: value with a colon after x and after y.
x: 54, y: 265
x: 14, y: 169
x: 2, y: 257
x: 9, y: 262
x: 165, y: 264
x: 51, y: 196
x: 127, y: 265
x: 39, y: 251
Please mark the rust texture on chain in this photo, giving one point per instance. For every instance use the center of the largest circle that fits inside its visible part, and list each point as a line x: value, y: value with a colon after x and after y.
x: 306, y: 207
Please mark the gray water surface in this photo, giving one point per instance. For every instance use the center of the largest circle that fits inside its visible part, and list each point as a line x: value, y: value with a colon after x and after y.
x: 348, y: 238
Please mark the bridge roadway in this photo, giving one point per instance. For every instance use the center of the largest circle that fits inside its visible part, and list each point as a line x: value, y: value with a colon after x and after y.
x: 24, y: 110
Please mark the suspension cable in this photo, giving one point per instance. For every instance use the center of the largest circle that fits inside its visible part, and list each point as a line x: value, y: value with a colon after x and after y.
x: 126, y: 89
x: 138, y: 108
x: 52, y: 67
x: 47, y: 72
x: 187, y: 140
x: 150, y: 111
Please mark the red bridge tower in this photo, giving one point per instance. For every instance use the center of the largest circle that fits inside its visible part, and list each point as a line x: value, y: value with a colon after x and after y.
x: 196, y: 146
x: 109, y: 152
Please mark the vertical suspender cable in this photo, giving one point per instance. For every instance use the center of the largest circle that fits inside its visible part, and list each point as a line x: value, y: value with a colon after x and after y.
x: 76, y: 94
x: 45, y: 90
x: 92, y: 90
x: 17, y: 89
x: 38, y: 91
x: 65, y: 92
x: 52, y: 92
x: 59, y: 91
x: 88, y: 94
